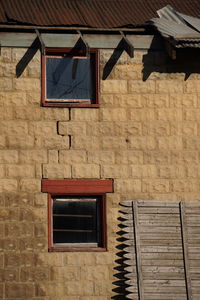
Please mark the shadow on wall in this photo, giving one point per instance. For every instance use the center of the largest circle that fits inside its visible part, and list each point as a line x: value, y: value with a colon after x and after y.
x: 119, y: 270
x: 187, y: 62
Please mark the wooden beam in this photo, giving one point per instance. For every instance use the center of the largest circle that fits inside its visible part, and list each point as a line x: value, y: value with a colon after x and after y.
x: 185, y: 251
x: 128, y: 47
x: 95, y: 41
x: 27, y: 57
x: 137, y: 250
x: 82, y: 44
x: 41, y: 42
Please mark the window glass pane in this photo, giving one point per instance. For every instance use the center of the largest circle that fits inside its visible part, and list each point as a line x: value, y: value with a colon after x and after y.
x: 76, y: 220
x: 68, y: 78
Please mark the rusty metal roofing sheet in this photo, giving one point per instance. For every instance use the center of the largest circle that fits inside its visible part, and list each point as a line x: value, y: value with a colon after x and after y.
x: 182, y: 30
x: 89, y: 13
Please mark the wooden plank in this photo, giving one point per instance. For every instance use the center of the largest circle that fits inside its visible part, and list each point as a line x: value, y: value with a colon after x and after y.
x: 161, y: 249
x: 167, y: 296
x: 185, y: 251
x: 167, y: 204
x: 138, y: 251
x: 159, y: 210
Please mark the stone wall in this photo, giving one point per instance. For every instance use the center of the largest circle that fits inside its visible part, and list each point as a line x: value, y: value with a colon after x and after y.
x: 145, y: 136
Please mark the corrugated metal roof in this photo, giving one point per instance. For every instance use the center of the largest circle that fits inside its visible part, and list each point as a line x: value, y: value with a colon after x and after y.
x: 182, y: 30
x: 90, y: 13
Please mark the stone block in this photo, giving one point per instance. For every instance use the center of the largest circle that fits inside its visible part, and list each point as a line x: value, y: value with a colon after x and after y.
x: 72, y: 156
x: 7, y: 70
x: 68, y: 273
x: 169, y: 86
x: 6, y: 55
x: 26, y: 84
x: 100, y: 128
x: 193, y: 171
x: 44, y: 128
x: 157, y: 157
x: 28, y: 113
x: 31, y: 245
x: 127, y: 185
x: 142, y: 115
x: 130, y: 101
x: 156, y: 100
x: 19, y: 230
x: 142, y: 87
x: 33, y: 98
x: 157, y: 128
x: 115, y: 171
x: 9, y: 275
x: 14, y: 128
x: 114, y: 143
x: 170, y: 115
x: 101, y: 157
x: 33, y: 156
x: 34, y: 274
x: 185, y: 186
x: 56, y: 171
x: 30, y: 185
x: 86, y: 171
x: 79, y: 259
x: 85, y: 143
x: 192, y: 114
x: 57, y: 114
x: 7, y: 114
x: 2, y: 172
x: 20, y: 142
x: 13, y: 98
x: 83, y: 287
x: 114, y: 86
x: 23, y: 171
x: 113, y: 114
x: 6, y: 84
x: 52, y: 156
x: 129, y: 157
x: 143, y: 171
x: 72, y: 128
x: 170, y: 143
x: 8, y: 185
x: 86, y: 114
x: 183, y: 100
x: 95, y: 273
x: 20, y: 290
x: 56, y: 142
x: 191, y: 143
x: 142, y: 143
x: 192, y: 86
x: 170, y: 171
x: 184, y: 157
x: 155, y: 186
x: 40, y: 230
x: 126, y: 129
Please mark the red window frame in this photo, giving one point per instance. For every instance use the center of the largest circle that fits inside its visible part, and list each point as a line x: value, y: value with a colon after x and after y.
x: 58, y: 52
x: 72, y: 187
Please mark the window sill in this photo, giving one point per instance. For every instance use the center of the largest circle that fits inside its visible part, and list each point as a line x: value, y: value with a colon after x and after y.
x: 77, y: 105
x: 77, y: 249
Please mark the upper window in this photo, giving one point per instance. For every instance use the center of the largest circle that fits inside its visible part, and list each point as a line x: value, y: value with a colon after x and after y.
x: 69, y: 78
x: 77, y: 214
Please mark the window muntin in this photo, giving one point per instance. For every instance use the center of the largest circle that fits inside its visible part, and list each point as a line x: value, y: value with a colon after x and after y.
x: 69, y: 78
x: 76, y: 221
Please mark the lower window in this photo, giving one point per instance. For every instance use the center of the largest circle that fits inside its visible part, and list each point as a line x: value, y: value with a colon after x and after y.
x: 77, y: 214
x: 77, y: 221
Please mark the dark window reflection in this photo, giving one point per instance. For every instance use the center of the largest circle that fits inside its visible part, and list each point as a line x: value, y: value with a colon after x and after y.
x: 76, y: 220
x: 68, y: 78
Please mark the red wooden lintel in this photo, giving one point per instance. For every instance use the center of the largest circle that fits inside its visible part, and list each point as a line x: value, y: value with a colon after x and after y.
x: 77, y: 186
